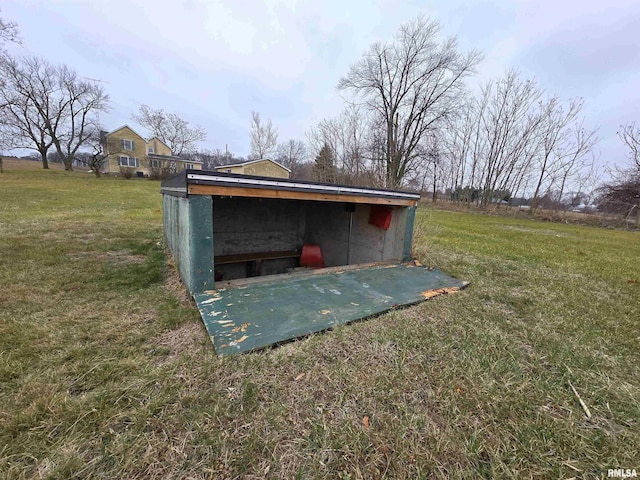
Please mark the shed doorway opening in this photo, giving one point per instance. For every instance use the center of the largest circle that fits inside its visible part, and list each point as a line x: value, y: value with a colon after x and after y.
x: 266, y: 236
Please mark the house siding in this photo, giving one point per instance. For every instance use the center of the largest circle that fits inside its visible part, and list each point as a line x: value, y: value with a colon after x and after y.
x: 115, y: 149
x: 265, y: 168
x: 159, y: 147
x: 140, y: 150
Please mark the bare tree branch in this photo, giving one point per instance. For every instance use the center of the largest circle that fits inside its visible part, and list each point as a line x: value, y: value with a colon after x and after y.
x: 9, y: 32
x: 264, y: 137
x: 413, y: 83
x: 630, y: 136
x: 171, y: 129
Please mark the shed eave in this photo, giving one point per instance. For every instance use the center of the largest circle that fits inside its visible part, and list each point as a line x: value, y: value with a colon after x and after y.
x: 295, y: 186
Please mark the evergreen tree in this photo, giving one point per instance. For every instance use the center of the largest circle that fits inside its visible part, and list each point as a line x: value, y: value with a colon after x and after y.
x: 324, y: 170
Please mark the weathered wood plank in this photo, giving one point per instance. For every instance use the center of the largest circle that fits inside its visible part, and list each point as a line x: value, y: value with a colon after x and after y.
x: 287, y: 194
x: 252, y: 257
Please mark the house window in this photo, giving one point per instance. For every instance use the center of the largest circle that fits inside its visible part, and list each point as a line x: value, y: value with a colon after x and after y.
x: 188, y: 166
x: 228, y: 170
x: 151, y: 150
x: 128, y: 161
x: 155, y: 163
x: 127, y: 144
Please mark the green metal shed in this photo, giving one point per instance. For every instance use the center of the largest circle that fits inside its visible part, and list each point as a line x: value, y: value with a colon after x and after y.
x: 237, y: 241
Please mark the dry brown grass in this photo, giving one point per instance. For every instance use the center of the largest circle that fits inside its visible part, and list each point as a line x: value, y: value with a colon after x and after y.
x: 106, y: 370
x: 597, y: 219
x: 14, y: 164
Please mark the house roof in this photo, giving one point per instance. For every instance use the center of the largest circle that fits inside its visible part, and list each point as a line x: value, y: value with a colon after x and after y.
x: 253, y: 161
x: 155, y: 137
x: 173, y: 158
x: 126, y: 126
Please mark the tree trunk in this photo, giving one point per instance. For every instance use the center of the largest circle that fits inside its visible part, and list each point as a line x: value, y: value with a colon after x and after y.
x: 45, y: 162
x: 1, y: 169
x: 435, y: 183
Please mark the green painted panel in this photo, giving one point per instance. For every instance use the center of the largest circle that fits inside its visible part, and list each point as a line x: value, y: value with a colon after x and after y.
x: 408, y: 234
x: 200, y: 243
x: 244, y: 318
x: 177, y: 233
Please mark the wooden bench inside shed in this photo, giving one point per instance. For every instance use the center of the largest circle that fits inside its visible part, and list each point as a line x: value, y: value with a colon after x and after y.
x: 254, y: 260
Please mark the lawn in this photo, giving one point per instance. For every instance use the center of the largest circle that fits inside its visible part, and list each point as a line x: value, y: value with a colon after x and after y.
x: 106, y: 370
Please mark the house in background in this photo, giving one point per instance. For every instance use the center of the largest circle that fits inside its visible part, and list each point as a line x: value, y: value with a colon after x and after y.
x: 155, y: 146
x: 262, y: 168
x: 127, y: 149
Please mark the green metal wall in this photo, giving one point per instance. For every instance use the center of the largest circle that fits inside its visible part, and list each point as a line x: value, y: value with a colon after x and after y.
x: 188, y: 230
x: 408, y: 234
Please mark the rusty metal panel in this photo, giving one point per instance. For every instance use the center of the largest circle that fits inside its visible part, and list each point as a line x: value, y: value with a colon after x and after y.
x: 252, y: 316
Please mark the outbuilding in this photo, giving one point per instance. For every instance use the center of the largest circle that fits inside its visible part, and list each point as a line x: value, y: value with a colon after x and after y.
x: 267, y: 260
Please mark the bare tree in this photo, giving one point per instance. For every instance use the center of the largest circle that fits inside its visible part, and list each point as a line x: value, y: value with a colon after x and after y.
x: 264, y: 137
x: 292, y: 155
x: 9, y: 32
x: 490, y: 146
x: 27, y: 92
x: 171, y: 129
x: 74, y: 120
x: 99, y: 154
x: 412, y: 83
x: 573, y: 153
x: 213, y: 158
x: 555, y: 130
x: 622, y: 196
x: 630, y: 136
x: 347, y: 136
x: 47, y: 105
x: 509, y: 123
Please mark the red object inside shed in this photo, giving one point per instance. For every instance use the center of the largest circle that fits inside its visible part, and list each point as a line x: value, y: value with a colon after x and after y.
x: 311, y: 257
x: 380, y: 216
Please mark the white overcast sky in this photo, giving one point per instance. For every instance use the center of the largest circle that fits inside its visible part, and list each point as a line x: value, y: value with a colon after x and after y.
x: 213, y: 62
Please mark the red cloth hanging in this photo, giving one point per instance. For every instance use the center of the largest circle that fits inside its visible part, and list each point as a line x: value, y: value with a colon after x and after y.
x: 380, y: 216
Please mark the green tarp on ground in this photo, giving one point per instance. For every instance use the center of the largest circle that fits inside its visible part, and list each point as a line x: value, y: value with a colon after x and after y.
x: 249, y: 316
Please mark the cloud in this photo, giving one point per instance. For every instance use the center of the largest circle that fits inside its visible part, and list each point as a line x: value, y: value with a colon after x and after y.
x: 590, y: 56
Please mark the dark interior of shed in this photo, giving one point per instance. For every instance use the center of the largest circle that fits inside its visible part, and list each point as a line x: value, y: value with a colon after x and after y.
x: 264, y: 236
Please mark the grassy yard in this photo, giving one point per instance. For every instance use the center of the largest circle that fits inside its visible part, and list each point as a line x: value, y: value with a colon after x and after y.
x: 106, y: 370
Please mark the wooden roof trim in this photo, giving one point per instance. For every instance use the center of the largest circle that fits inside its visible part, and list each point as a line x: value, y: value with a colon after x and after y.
x: 230, y: 191
x: 248, y: 181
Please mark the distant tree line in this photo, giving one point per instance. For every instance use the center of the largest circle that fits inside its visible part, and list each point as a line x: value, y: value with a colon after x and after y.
x: 409, y: 121
x: 621, y: 195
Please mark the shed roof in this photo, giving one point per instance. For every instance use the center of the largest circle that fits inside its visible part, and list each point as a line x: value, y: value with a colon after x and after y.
x: 198, y: 182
